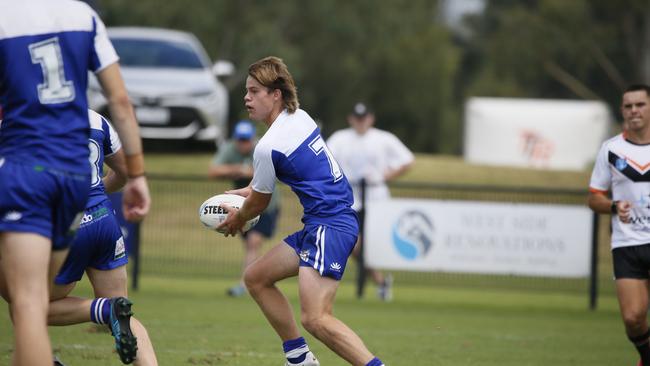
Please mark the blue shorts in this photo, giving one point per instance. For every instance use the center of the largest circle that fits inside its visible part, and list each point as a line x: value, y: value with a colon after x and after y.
x: 266, y: 225
x: 99, y: 244
x: 323, y: 248
x: 43, y: 201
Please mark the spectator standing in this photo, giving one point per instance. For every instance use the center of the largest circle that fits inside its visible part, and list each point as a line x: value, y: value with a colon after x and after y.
x: 234, y: 161
x: 366, y: 152
x: 623, y: 169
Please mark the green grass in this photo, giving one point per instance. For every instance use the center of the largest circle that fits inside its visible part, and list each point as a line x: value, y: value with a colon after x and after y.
x: 192, y: 322
x: 427, y: 168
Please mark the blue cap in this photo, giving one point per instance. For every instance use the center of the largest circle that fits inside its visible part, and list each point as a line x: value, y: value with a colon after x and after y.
x: 244, y: 130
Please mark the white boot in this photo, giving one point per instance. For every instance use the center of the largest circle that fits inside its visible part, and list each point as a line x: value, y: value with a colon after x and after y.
x: 310, y: 360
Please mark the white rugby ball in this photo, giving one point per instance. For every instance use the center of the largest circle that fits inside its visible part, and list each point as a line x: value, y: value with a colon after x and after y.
x: 212, y: 214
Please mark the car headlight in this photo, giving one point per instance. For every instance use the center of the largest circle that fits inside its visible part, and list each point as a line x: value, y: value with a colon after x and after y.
x: 209, y: 97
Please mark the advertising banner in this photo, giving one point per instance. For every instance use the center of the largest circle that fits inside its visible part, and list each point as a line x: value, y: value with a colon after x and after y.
x: 535, y: 133
x: 478, y: 237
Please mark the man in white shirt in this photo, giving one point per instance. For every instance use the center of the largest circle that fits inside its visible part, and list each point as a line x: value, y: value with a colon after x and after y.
x: 623, y: 169
x: 366, y: 152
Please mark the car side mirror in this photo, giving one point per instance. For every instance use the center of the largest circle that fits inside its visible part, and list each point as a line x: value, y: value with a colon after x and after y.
x: 223, y: 68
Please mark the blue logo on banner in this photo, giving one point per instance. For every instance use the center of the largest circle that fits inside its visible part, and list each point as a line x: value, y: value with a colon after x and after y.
x: 621, y: 164
x: 413, y: 235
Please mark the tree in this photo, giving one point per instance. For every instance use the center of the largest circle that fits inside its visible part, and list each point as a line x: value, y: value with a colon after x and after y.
x: 393, y: 55
x: 560, y: 49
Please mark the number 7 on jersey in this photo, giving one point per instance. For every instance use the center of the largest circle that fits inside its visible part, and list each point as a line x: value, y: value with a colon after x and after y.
x: 318, y: 146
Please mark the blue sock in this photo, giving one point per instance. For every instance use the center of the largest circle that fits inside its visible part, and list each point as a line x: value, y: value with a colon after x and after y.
x: 100, y: 310
x: 295, y: 350
x: 375, y: 362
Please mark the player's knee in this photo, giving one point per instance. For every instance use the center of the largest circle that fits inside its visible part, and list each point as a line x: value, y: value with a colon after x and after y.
x: 29, y: 293
x: 253, y: 279
x: 634, y: 320
x: 252, y: 246
x: 28, y: 305
x: 58, y: 292
x: 314, y: 324
x: 254, y: 240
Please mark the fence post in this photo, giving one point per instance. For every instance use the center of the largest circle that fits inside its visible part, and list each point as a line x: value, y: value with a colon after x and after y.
x: 593, y: 279
x: 361, y: 262
x: 135, y: 255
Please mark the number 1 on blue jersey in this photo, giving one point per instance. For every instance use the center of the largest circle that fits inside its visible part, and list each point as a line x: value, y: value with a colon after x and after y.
x: 55, y: 88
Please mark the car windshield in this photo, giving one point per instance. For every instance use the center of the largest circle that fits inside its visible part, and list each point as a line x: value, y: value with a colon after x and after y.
x: 156, y: 53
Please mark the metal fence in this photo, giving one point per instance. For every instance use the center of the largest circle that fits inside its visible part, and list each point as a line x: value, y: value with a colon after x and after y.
x: 174, y: 243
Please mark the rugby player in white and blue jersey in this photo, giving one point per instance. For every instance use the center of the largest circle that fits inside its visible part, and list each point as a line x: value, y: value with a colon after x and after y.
x: 620, y: 185
x: 99, y: 250
x: 293, y: 151
x: 46, y: 50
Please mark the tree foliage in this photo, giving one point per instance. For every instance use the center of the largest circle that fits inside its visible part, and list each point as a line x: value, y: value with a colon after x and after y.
x: 585, y: 49
x: 408, y: 66
x: 393, y: 55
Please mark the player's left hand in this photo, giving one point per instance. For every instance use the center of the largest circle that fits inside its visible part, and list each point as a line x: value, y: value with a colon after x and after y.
x: 233, y: 224
x: 244, y: 192
x: 624, y: 211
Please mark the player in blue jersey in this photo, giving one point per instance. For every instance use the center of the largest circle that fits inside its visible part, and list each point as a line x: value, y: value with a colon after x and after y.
x: 47, y: 48
x: 293, y: 151
x: 99, y: 250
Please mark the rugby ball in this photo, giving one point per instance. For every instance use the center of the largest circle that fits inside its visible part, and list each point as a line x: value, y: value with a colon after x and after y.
x: 212, y: 214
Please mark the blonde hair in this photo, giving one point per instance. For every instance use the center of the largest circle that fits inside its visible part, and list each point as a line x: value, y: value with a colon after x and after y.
x: 272, y: 73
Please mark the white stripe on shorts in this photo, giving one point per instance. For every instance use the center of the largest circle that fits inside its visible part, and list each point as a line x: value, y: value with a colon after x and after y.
x: 317, y: 247
x: 322, y: 257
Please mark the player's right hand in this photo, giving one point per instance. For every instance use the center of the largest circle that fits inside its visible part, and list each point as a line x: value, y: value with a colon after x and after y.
x: 233, y: 224
x: 136, y: 200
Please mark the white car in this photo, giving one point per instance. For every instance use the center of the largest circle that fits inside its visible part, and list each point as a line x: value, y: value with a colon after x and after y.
x: 172, y: 84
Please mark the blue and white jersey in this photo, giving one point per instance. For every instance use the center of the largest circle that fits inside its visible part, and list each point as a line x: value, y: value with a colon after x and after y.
x: 103, y: 142
x: 46, y: 50
x: 293, y: 151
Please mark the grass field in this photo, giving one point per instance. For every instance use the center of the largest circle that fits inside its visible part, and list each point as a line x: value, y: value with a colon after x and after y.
x: 427, y: 168
x: 434, y: 320
x: 192, y: 322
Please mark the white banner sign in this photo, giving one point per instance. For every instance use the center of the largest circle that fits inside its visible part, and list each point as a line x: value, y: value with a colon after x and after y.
x: 534, y: 133
x: 478, y: 237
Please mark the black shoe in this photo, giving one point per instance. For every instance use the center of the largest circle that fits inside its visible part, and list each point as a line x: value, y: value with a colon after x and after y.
x: 57, y: 362
x: 125, y: 342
